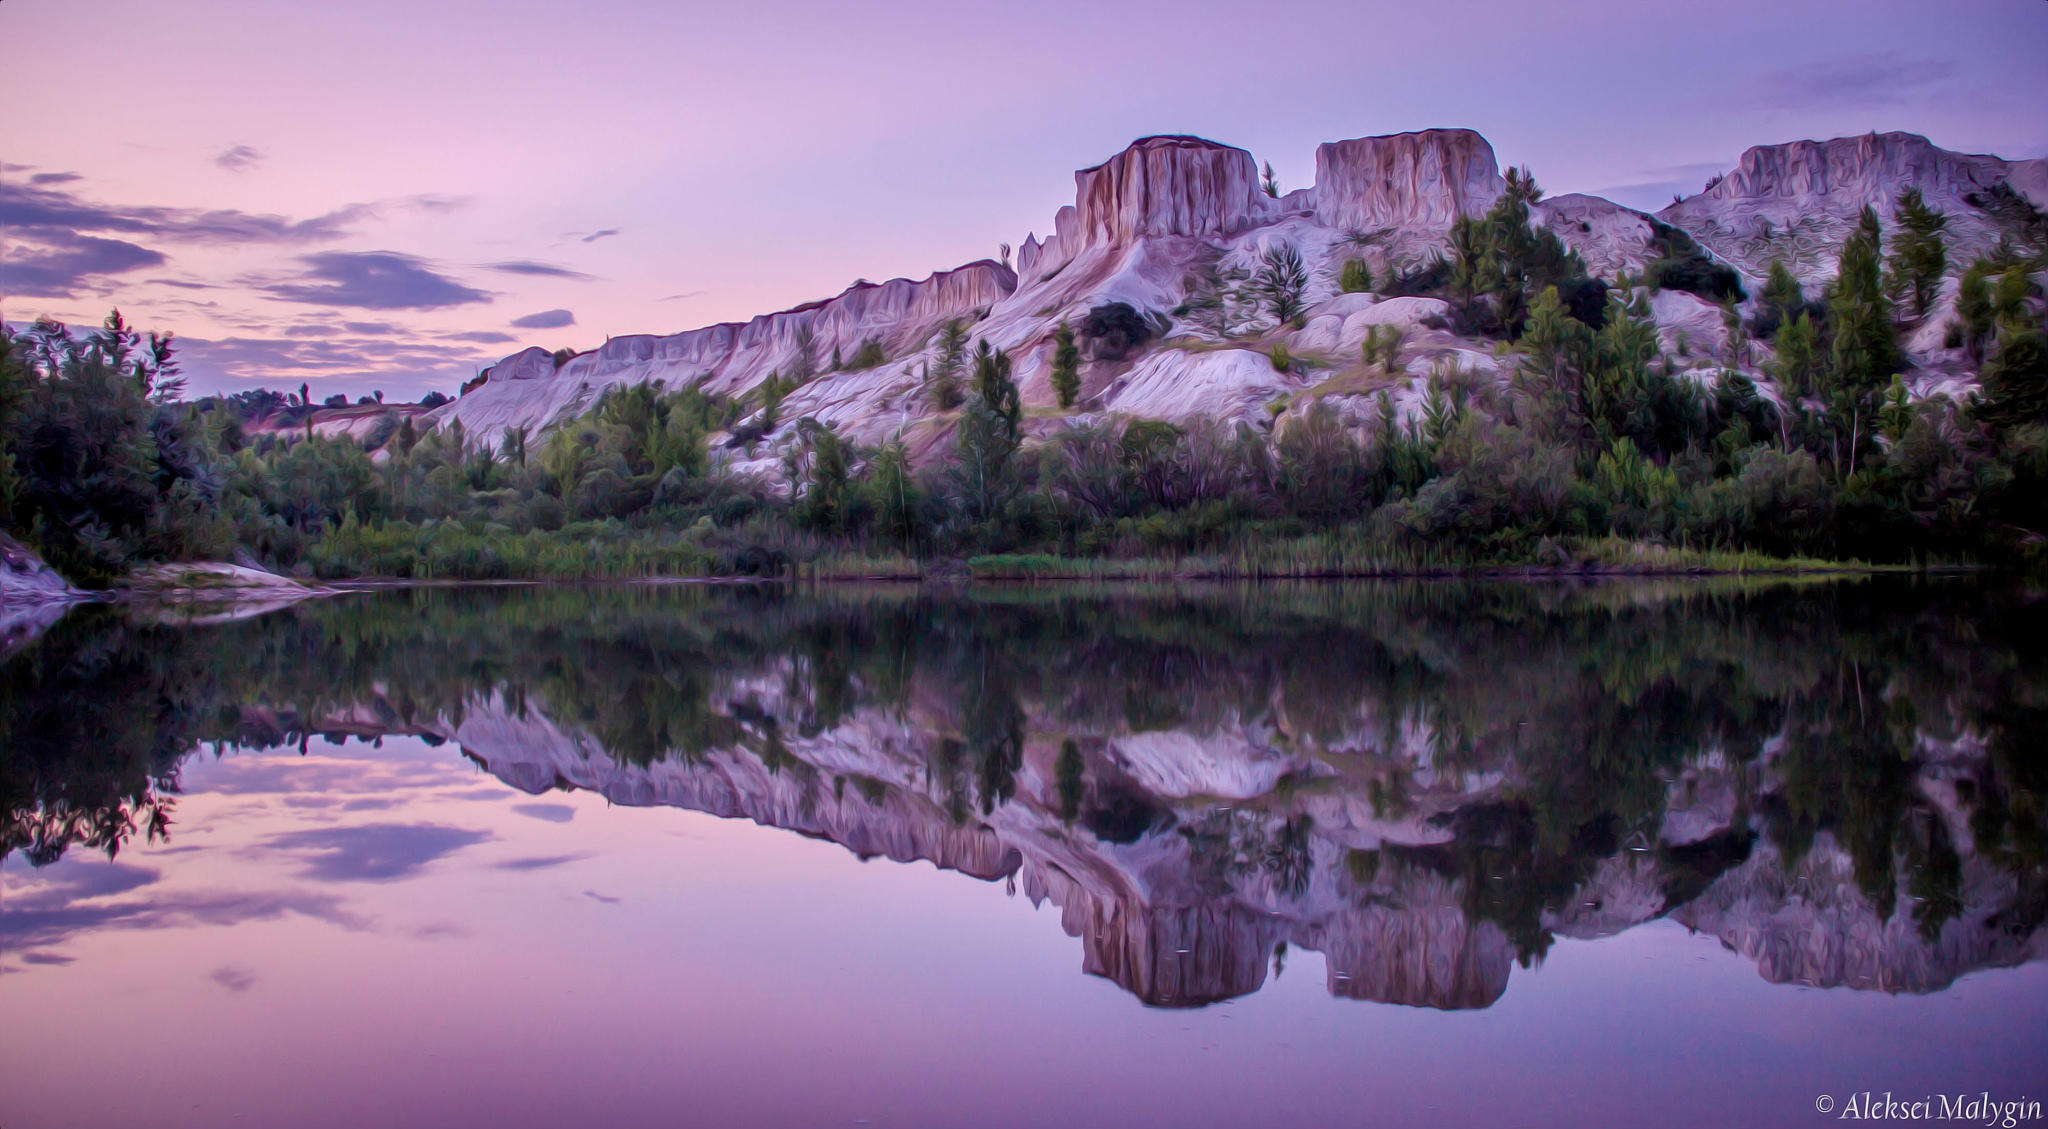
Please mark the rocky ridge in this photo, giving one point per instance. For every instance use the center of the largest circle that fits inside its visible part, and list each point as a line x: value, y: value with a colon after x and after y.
x: 1151, y: 224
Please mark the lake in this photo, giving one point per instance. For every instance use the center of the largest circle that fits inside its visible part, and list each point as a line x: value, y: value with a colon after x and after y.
x: 1685, y: 852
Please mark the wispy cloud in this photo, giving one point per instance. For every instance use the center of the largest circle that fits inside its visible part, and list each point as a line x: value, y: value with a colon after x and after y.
x: 604, y: 233
x: 546, y: 319
x: 239, y: 158
x: 684, y: 296
x: 1882, y: 79
x: 540, y: 270
x: 370, y: 280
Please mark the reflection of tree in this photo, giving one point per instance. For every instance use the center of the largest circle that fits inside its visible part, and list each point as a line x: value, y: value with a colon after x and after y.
x: 1583, y: 704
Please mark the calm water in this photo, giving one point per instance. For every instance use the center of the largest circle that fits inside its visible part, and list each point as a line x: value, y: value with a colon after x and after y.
x: 1430, y: 854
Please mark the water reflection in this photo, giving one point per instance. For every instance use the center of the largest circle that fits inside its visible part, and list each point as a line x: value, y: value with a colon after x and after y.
x: 1427, y: 783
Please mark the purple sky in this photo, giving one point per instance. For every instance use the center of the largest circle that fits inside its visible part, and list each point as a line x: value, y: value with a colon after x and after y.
x: 393, y: 195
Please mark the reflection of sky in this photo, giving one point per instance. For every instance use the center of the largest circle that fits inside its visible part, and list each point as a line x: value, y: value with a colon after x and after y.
x: 493, y: 959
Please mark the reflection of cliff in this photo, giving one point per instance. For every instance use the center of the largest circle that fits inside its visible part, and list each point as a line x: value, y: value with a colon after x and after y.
x: 1183, y: 900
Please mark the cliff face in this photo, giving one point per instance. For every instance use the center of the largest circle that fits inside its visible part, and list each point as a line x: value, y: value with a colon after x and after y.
x: 528, y: 388
x: 1169, y: 186
x: 1797, y: 201
x: 1427, y: 179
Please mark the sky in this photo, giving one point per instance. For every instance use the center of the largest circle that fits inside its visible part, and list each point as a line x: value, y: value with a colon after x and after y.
x: 391, y: 195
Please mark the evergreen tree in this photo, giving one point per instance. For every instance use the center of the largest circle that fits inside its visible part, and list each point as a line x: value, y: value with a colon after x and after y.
x: 989, y: 435
x: 1268, y: 183
x: 1919, y: 253
x: 1066, y: 365
x: 942, y: 379
x: 1281, y: 283
x: 1864, y: 353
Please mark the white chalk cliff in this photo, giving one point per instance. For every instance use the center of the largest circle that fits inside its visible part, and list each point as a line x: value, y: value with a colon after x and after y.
x: 1149, y: 224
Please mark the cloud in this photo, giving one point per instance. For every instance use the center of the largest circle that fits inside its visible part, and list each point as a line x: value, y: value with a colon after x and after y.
x: 607, y: 899
x: 59, y: 264
x: 680, y: 297
x: 546, y: 319
x: 40, y: 208
x: 540, y: 862
x: 374, y: 852
x: 232, y: 978
x: 603, y: 234
x: 1854, y: 82
x: 545, y: 270
x: 48, y: 178
x: 371, y: 280
x: 1659, y: 185
x: 550, y: 813
x: 181, y: 283
x: 46, y: 958
x: 238, y: 158
x: 480, y: 337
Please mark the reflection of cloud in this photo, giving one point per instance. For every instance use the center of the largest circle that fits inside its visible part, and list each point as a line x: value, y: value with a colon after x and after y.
x: 437, y: 929
x: 72, y: 897
x: 540, y: 862
x: 1858, y: 81
x: 607, y: 899
x: 539, y: 270
x: 551, y: 813
x: 371, y: 280
x: 239, y: 158
x: 374, y: 852
x: 546, y: 319
x: 232, y: 978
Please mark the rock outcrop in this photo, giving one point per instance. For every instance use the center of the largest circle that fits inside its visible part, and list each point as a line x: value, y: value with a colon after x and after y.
x: 1430, y: 178
x: 1797, y: 201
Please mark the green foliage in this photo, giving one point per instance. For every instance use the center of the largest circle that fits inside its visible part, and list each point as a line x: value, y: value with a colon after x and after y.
x: 869, y: 355
x: 1066, y: 366
x: 1355, y: 277
x: 1280, y: 283
x: 1281, y: 358
x: 1919, y: 254
x: 989, y: 436
x: 1499, y: 263
x: 1681, y: 264
x: 1113, y: 329
x: 1268, y: 183
x: 942, y: 379
x: 98, y: 468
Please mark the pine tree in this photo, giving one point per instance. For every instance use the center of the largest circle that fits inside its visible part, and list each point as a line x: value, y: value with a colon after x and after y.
x: 989, y: 435
x: 1919, y: 254
x: 942, y: 377
x: 1269, y: 183
x: 1865, y: 352
x: 1066, y: 366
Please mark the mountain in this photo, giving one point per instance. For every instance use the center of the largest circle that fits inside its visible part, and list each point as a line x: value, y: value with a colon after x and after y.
x: 1165, y: 226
